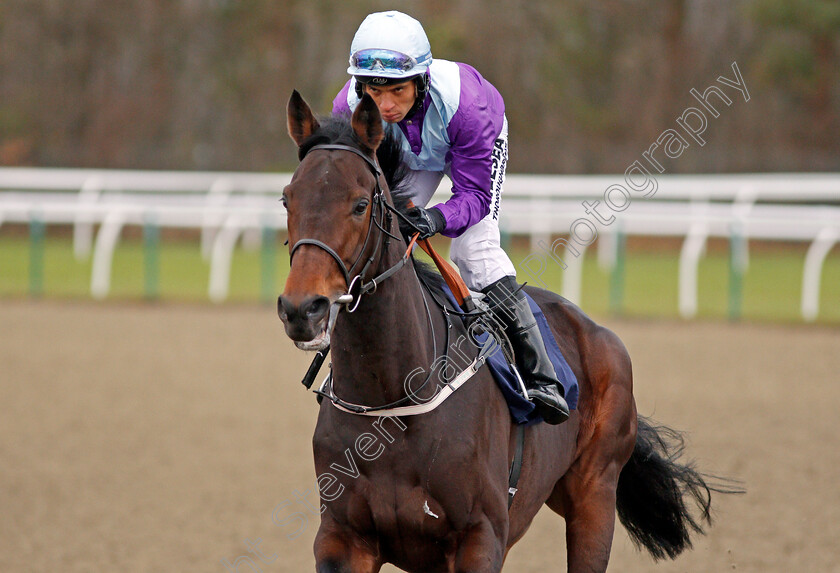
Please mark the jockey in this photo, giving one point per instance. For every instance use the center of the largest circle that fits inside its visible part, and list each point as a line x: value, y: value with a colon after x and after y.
x: 450, y: 120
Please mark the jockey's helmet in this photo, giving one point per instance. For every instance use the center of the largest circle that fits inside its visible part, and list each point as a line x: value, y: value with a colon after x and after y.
x: 389, y: 48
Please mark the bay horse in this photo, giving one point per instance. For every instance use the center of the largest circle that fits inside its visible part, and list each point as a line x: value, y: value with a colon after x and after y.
x: 430, y: 492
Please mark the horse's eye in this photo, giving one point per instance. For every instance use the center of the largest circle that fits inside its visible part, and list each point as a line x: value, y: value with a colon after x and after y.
x: 361, y: 207
x: 283, y: 201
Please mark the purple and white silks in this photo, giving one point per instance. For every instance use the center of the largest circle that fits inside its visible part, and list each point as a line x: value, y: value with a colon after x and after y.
x: 460, y: 131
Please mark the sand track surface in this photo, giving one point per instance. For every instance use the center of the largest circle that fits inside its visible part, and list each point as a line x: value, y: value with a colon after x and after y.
x: 163, y: 438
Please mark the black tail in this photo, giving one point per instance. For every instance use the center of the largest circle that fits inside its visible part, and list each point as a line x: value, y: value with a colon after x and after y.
x: 656, y: 493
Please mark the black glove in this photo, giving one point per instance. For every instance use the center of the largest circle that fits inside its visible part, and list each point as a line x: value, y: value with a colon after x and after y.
x: 428, y: 222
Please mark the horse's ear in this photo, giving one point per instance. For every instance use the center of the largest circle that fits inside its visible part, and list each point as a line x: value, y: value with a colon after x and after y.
x: 301, y: 122
x: 367, y: 123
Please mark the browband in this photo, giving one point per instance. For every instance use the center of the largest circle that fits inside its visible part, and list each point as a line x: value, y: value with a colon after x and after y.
x: 351, y: 149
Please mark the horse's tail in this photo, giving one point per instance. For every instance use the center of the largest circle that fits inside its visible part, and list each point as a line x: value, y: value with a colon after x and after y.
x: 656, y: 491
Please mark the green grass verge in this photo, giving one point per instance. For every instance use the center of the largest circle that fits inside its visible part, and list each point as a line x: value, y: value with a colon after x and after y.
x: 771, y: 286
x: 183, y: 274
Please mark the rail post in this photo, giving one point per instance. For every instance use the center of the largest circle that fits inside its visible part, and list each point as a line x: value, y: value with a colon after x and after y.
x: 37, y: 232
x: 268, y: 261
x: 737, y: 263
x: 151, y: 257
x: 617, y: 274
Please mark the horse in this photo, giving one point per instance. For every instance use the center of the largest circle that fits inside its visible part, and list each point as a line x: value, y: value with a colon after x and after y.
x: 430, y: 492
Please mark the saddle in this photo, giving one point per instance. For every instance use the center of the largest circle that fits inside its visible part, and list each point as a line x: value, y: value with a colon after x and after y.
x: 502, y: 364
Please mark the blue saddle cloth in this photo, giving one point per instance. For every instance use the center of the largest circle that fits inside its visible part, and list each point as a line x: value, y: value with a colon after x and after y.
x: 522, y: 410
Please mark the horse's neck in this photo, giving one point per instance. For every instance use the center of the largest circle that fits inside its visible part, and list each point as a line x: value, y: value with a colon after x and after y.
x: 376, y: 348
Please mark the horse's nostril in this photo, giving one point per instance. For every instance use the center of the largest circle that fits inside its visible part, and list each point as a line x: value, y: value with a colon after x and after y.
x: 282, y: 311
x: 318, y: 307
x: 311, y: 310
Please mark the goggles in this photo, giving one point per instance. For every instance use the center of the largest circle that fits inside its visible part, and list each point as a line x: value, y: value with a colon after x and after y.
x: 377, y: 59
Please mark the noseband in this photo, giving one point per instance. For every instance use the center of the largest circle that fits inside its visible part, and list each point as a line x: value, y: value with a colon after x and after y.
x: 381, y: 218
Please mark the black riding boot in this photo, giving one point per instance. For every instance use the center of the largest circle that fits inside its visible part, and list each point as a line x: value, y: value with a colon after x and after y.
x: 531, y: 357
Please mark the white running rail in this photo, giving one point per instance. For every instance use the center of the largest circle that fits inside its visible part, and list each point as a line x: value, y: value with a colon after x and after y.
x: 224, y: 205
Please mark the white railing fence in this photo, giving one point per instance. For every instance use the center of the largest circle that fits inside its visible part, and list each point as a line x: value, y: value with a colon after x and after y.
x: 227, y: 205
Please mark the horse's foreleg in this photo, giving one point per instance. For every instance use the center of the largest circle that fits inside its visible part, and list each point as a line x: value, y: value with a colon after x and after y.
x: 480, y: 551
x: 336, y: 552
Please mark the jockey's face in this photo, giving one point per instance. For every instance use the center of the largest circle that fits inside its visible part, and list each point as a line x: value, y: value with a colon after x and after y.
x: 394, y: 101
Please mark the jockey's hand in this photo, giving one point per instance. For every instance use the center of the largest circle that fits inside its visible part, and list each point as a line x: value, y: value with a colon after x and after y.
x: 428, y: 222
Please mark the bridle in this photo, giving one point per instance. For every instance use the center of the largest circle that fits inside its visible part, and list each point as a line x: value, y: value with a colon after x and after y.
x: 400, y: 406
x: 380, y: 217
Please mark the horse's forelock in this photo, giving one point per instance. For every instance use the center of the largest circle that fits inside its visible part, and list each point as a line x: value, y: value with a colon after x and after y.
x: 333, y: 130
x: 338, y: 130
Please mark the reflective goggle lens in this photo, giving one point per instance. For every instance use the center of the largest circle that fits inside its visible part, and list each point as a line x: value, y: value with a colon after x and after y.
x: 376, y: 59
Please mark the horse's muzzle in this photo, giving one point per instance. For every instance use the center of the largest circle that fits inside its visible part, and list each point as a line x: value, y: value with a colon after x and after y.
x: 307, y: 322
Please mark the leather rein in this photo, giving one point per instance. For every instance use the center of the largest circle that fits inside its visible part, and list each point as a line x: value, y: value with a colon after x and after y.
x: 380, y: 209
x: 380, y: 218
x: 402, y: 407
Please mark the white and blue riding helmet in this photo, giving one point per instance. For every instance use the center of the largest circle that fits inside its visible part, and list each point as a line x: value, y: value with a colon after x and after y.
x: 388, y: 48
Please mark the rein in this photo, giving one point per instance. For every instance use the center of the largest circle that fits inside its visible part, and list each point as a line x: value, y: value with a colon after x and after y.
x: 351, y: 301
x: 383, y: 225
x: 381, y: 218
x: 400, y: 407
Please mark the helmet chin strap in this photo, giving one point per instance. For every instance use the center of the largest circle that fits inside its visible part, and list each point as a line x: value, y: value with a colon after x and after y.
x: 420, y: 95
x: 422, y: 82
